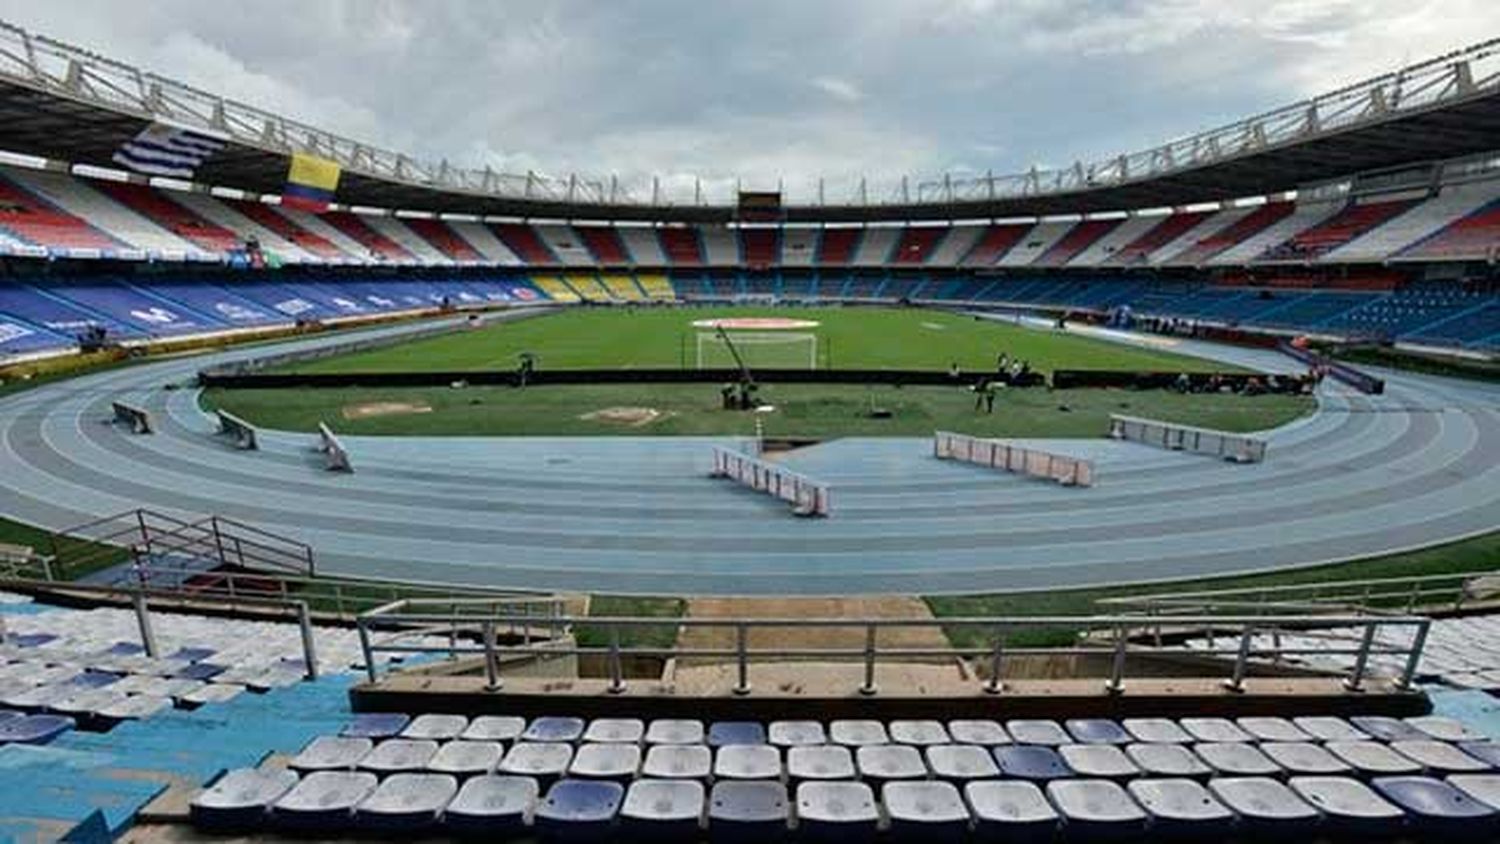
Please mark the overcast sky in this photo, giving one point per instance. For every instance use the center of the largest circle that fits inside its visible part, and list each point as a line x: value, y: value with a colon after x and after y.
x: 769, y: 88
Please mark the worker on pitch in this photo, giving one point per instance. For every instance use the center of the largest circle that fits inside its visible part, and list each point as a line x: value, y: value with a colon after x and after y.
x: 984, y: 395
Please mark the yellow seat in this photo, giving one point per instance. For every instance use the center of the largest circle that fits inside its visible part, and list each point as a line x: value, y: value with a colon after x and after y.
x: 555, y: 288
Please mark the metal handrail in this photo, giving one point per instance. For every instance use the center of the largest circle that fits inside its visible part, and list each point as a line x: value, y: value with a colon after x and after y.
x: 1412, y: 592
x: 403, y: 620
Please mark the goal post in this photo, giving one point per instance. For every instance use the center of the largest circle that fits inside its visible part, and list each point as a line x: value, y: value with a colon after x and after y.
x: 759, y: 349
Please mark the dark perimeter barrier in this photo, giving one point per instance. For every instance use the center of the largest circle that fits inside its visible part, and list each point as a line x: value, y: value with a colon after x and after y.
x: 1361, y: 381
x: 334, y: 453
x: 137, y: 418
x: 242, y: 432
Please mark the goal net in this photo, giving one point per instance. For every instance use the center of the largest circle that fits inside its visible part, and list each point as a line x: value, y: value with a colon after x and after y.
x: 760, y: 350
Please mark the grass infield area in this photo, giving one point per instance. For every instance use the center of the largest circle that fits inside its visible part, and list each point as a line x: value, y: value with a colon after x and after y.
x: 667, y: 338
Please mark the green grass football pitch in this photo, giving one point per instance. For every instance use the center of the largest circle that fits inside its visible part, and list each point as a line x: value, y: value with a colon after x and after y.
x: 845, y: 338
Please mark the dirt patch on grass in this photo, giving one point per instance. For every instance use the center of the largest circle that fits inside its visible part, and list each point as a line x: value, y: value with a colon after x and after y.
x: 366, y: 410
x: 634, y: 417
x: 812, y: 637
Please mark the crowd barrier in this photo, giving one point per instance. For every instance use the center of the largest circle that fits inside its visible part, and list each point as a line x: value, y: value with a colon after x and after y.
x: 1234, y: 447
x: 241, y: 431
x: 807, y: 496
x: 1068, y: 471
x: 1367, y: 384
x: 138, y: 419
x: 333, y: 450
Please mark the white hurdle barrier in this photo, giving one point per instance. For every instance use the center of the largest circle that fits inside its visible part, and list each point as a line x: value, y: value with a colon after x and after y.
x: 1035, y: 463
x: 807, y: 496
x: 242, y: 432
x: 333, y: 451
x: 1237, y: 448
x: 137, y: 418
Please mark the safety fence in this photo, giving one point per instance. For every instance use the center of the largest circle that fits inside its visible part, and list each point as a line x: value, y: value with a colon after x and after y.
x: 335, y: 456
x: 1237, y: 448
x: 1035, y: 463
x: 411, y: 626
x: 807, y: 496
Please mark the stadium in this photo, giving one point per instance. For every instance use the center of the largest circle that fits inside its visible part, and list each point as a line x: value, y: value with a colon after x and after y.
x: 349, y: 495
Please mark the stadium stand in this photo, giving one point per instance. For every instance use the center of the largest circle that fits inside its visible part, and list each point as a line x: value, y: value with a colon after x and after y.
x: 682, y: 245
x: 875, y: 246
x: 31, y: 220
x: 444, y: 239
x: 1352, y: 221
x: 1475, y: 236
x: 1079, y: 238
x: 604, y: 244
x: 484, y: 241
x: 524, y: 242
x: 996, y: 242
x: 564, y: 242
x: 587, y: 287
x: 721, y: 247
x: 645, y: 250
x: 656, y: 286
x: 376, y: 244
x: 917, y: 244
x: 1238, y: 225
x: 556, y: 289
x: 1108, y: 246
x: 396, y: 230
x: 157, y: 206
x: 1303, y: 216
x: 760, y: 246
x: 79, y: 198
x: 836, y: 246
x: 622, y: 288
x: 799, y: 246
x: 271, y: 218
x: 1036, y: 241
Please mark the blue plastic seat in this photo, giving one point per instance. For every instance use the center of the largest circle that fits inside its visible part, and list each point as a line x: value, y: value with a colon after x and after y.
x: 1097, y: 731
x: 95, y: 680
x: 1007, y: 810
x: 727, y: 733
x: 34, y: 729
x: 240, y: 799
x: 858, y: 733
x: 403, y: 803
x: 884, y: 762
x: 1156, y: 731
x: 1096, y: 810
x: 551, y: 728
x: 925, y: 811
x: 579, y: 810
x: 744, y: 811
x: 1435, y: 808
x: 678, y: 762
x: 663, y: 810
x: 376, y: 725
x: 189, y: 654
x: 960, y: 763
x: 1167, y: 760
x: 820, y: 762
x: 1101, y: 761
x: 324, y: 800
x: 1031, y: 762
x: 505, y: 729
x: 1485, y: 751
x: 837, y: 811
x: 675, y: 731
x: 918, y: 733
x: 1237, y: 759
x: 1035, y: 731
x: 747, y: 762
x: 1349, y: 807
x: 984, y: 733
x: 498, y: 806
x: 1387, y: 729
x: 201, y: 671
x: 1266, y: 807
x: 1182, y: 809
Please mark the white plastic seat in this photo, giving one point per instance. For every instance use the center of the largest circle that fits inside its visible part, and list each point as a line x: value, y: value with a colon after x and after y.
x: 747, y: 762
x: 1272, y: 729
x: 1237, y: 759
x: 1265, y: 806
x: 678, y: 761
x: 501, y: 728
x: 982, y: 732
x: 1304, y: 758
x: 918, y: 733
x: 1349, y: 806
x: 1008, y: 810
x: 820, y: 762
x: 404, y: 802
x: 1101, y: 761
x: 495, y: 805
x: 882, y: 762
x: 749, y: 811
x: 1373, y: 759
x: 1156, y: 731
x: 331, y: 753
x: 1214, y: 730
x: 1482, y: 787
x: 796, y: 733
x: 435, y: 727
x: 1329, y: 728
x: 842, y: 810
x: 656, y: 810
x: 858, y: 733
x: 240, y: 798
x: 1167, y: 760
x: 537, y: 759
x: 466, y: 758
x: 615, y: 731
x: 606, y: 762
x: 1037, y: 731
x: 1439, y: 758
x: 1182, y: 808
x: 398, y: 755
x: 1096, y: 808
x: 925, y: 810
x: 675, y: 731
x: 1439, y: 728
x: 324, y: 800
x: 961, y: 762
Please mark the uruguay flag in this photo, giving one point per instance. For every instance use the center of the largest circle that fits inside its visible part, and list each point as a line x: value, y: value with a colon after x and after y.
x: 163, y: 150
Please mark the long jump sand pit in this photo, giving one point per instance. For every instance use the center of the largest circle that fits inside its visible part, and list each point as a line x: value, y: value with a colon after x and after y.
x: 632, y: 417
x: 366, y: 410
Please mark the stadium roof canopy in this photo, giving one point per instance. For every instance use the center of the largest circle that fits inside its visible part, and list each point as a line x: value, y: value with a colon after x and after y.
x: 63, y: 103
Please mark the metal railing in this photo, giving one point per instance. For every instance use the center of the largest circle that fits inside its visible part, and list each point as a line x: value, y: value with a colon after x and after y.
x: 1420, y: 593
x: 147, y: 536
x: 46, y: 65
x: 390, y: 629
